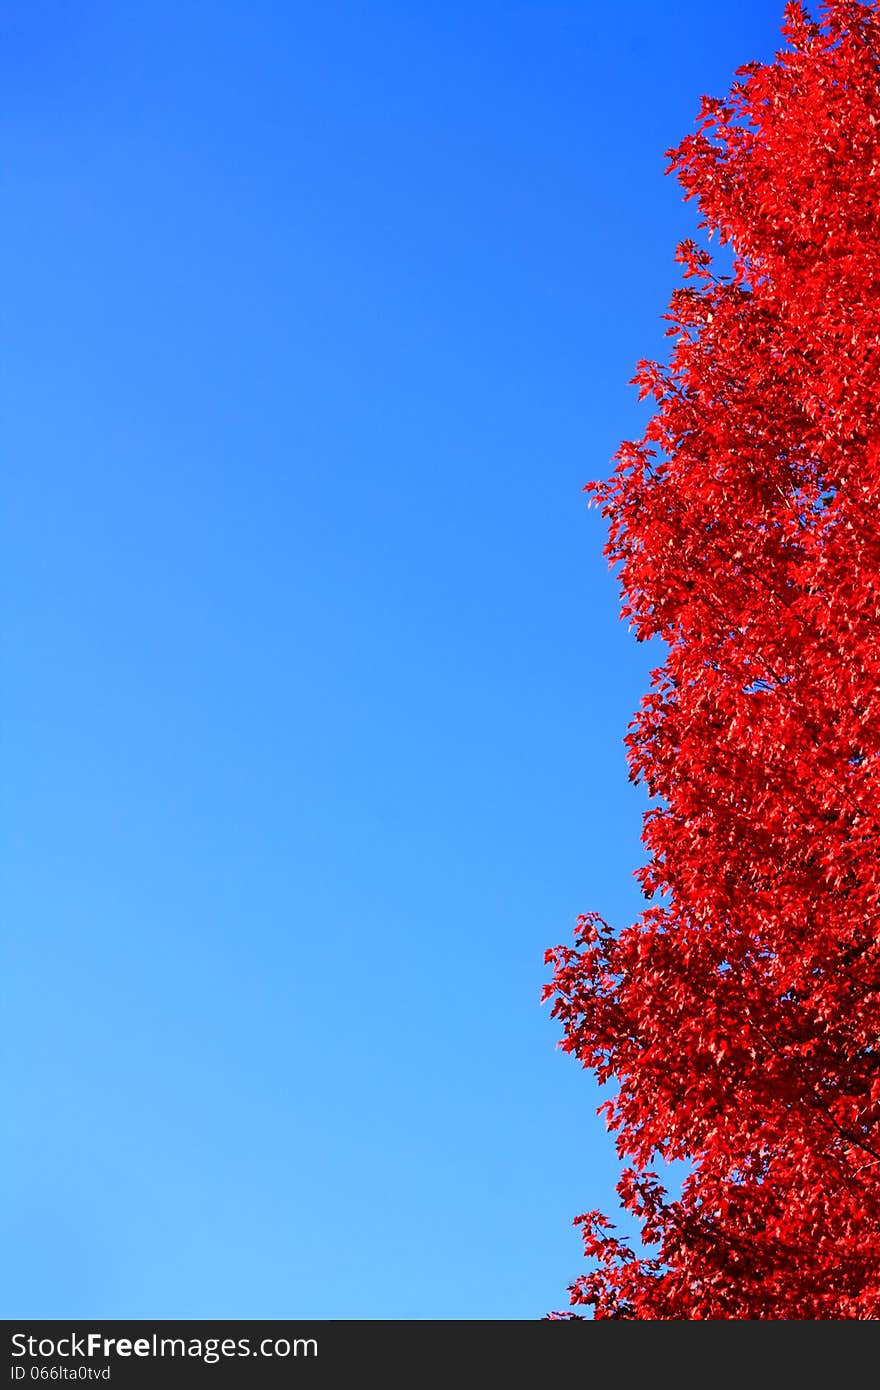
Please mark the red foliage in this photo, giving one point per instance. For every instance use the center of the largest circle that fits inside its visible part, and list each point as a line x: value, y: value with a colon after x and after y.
x: 739, y: 1018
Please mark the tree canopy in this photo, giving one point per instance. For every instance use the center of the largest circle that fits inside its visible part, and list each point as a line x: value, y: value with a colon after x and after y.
x: 738, y: 1019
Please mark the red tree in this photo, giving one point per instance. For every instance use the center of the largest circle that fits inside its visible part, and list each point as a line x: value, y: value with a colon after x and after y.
x: 739, y: 1018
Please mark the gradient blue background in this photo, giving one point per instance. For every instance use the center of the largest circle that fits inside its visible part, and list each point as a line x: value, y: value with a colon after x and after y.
x: 317, y: 317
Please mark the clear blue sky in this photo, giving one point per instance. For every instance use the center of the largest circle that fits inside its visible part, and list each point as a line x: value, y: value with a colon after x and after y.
x: 317, y: 317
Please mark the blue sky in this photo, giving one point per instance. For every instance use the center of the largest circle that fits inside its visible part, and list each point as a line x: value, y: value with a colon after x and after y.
x: 318, y: 317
